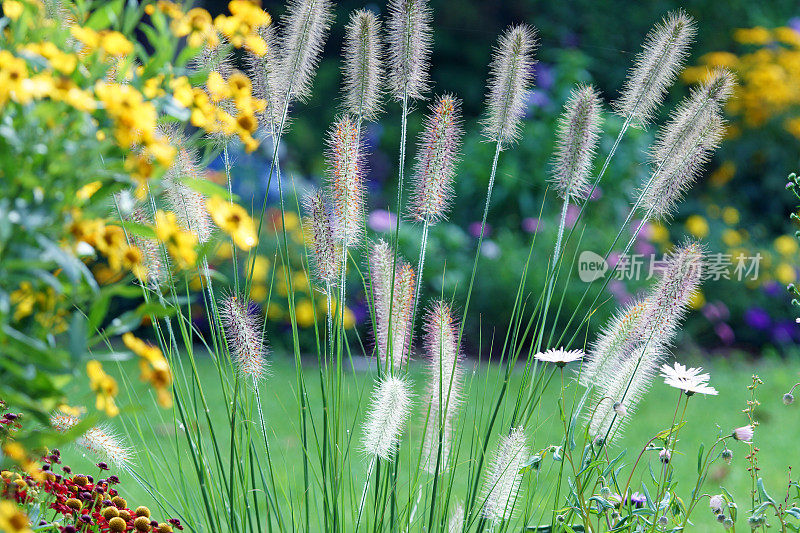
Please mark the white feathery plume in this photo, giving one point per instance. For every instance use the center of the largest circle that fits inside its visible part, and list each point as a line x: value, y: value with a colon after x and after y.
x: 435, y: 166
x: 345, y: 178
x: 305, y: 27
x: 217, y: 58
x: 456, y: 522
x: 444, y: 385
x: 625, y: 383
x: 504, y: 477
x: 100, y: 440
x: 325, y: 260
x: 685, y: 143
x: 362, y: 69
x: 268, y: 79
x: 188, y: 204
x: 409, y: 38
x: 613, y: 337
x: 244, y: 337
x: 152, y: 257
x: 577, y: 134
x: 663, y: 53
x: 393, y: 328
x: 668, y: 300
x: 510, y: 79
x: 386, y: 418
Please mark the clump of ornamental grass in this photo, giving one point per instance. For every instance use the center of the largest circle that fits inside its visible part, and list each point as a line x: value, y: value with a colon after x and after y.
x: 409, y: 38
x: 663, y: 54
x: 362, y: 67
x: 244, y: 335
x: 501, y: 485
x: 444, y: 386
x: 392, y: 281
x: 100, y: 440
x: 268, y: 80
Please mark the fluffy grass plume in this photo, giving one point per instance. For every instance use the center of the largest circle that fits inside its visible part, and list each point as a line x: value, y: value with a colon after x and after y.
x: 153, y: 260
x: 392, y: 309
x: 503, y: 477
x: 444, y: 385
x: 325, y: 260
x: 305, y: 27
x: 510, y: 79
x: 362, y: 68
x: 685, y: 143
x: 577, y: 133
x: 435, y: 167
x: 268, y: 80
x: 613, y: 337
x: 99, y: 440
x: 243, y: 333
x: 346, y: 180
x: 409, y: 38
x: 663, y: 53
x: 386, y: 417
x: 623, y: 384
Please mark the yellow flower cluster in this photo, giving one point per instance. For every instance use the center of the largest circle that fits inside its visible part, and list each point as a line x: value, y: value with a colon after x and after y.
x: 233, y: 220
x: 12, y: 519
x: 179, y: 242
x: 769, y: 75
x: 104, y: 386
x: 111, y: 242
x: 153, y: 367
x: 41, y: 304
x: 239, y: 28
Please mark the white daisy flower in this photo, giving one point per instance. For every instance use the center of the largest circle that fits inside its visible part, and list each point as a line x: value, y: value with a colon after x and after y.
x: 744, y: 433
x: 560, y: 356
x: 689, y: 380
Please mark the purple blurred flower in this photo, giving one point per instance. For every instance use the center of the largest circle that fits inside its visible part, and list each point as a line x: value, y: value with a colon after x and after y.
x: 544, y: 75
x: 785, y: 332
x: 572, y: 215
x: 725, y: 333
x: 538, y: 99
x: 794, y: 23
x: 597, y: 193
x: 644, y: 248
x: 773, y: 288
x: 475, y: 229
x: 381, y: 220
x: 530, y: 224
x: 757, y: 318
x: 638, y: 499
x: 646, y: 231
x: 619, y: 291
x: 716, y: 311
x: 613, y: 259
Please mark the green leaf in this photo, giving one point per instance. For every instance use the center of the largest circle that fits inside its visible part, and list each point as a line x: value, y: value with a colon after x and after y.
x: 763, y: 492
x: 140, y: 230
x: 208, y: 188
x: 700, y: 458
x: 105, y: 15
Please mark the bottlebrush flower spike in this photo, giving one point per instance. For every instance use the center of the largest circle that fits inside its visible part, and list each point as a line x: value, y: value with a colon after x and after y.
x: 685, y: 143
x: 188, y: 204
x: 100, y: 440
x: 386, y: 418
x: 503, y: 477
x: 362, y: 69
x: 625, y: 382
x: 666, y: 303
x: 614, y: 336
x: 153, y: 257
x: 268, y: 79
x: 345, y: 180
x: 394, y: 340
x: 510, y: 79
x: 444, y: 385
x: 664, y: 50
x: 325, y: 258
x: 305, y: 27
x: 244, y: 336
x: 577, y: 134
x: 437, y: 157
x: 409, y: 39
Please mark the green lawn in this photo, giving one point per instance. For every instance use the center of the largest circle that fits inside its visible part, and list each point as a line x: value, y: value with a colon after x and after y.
x: 152, y: 431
